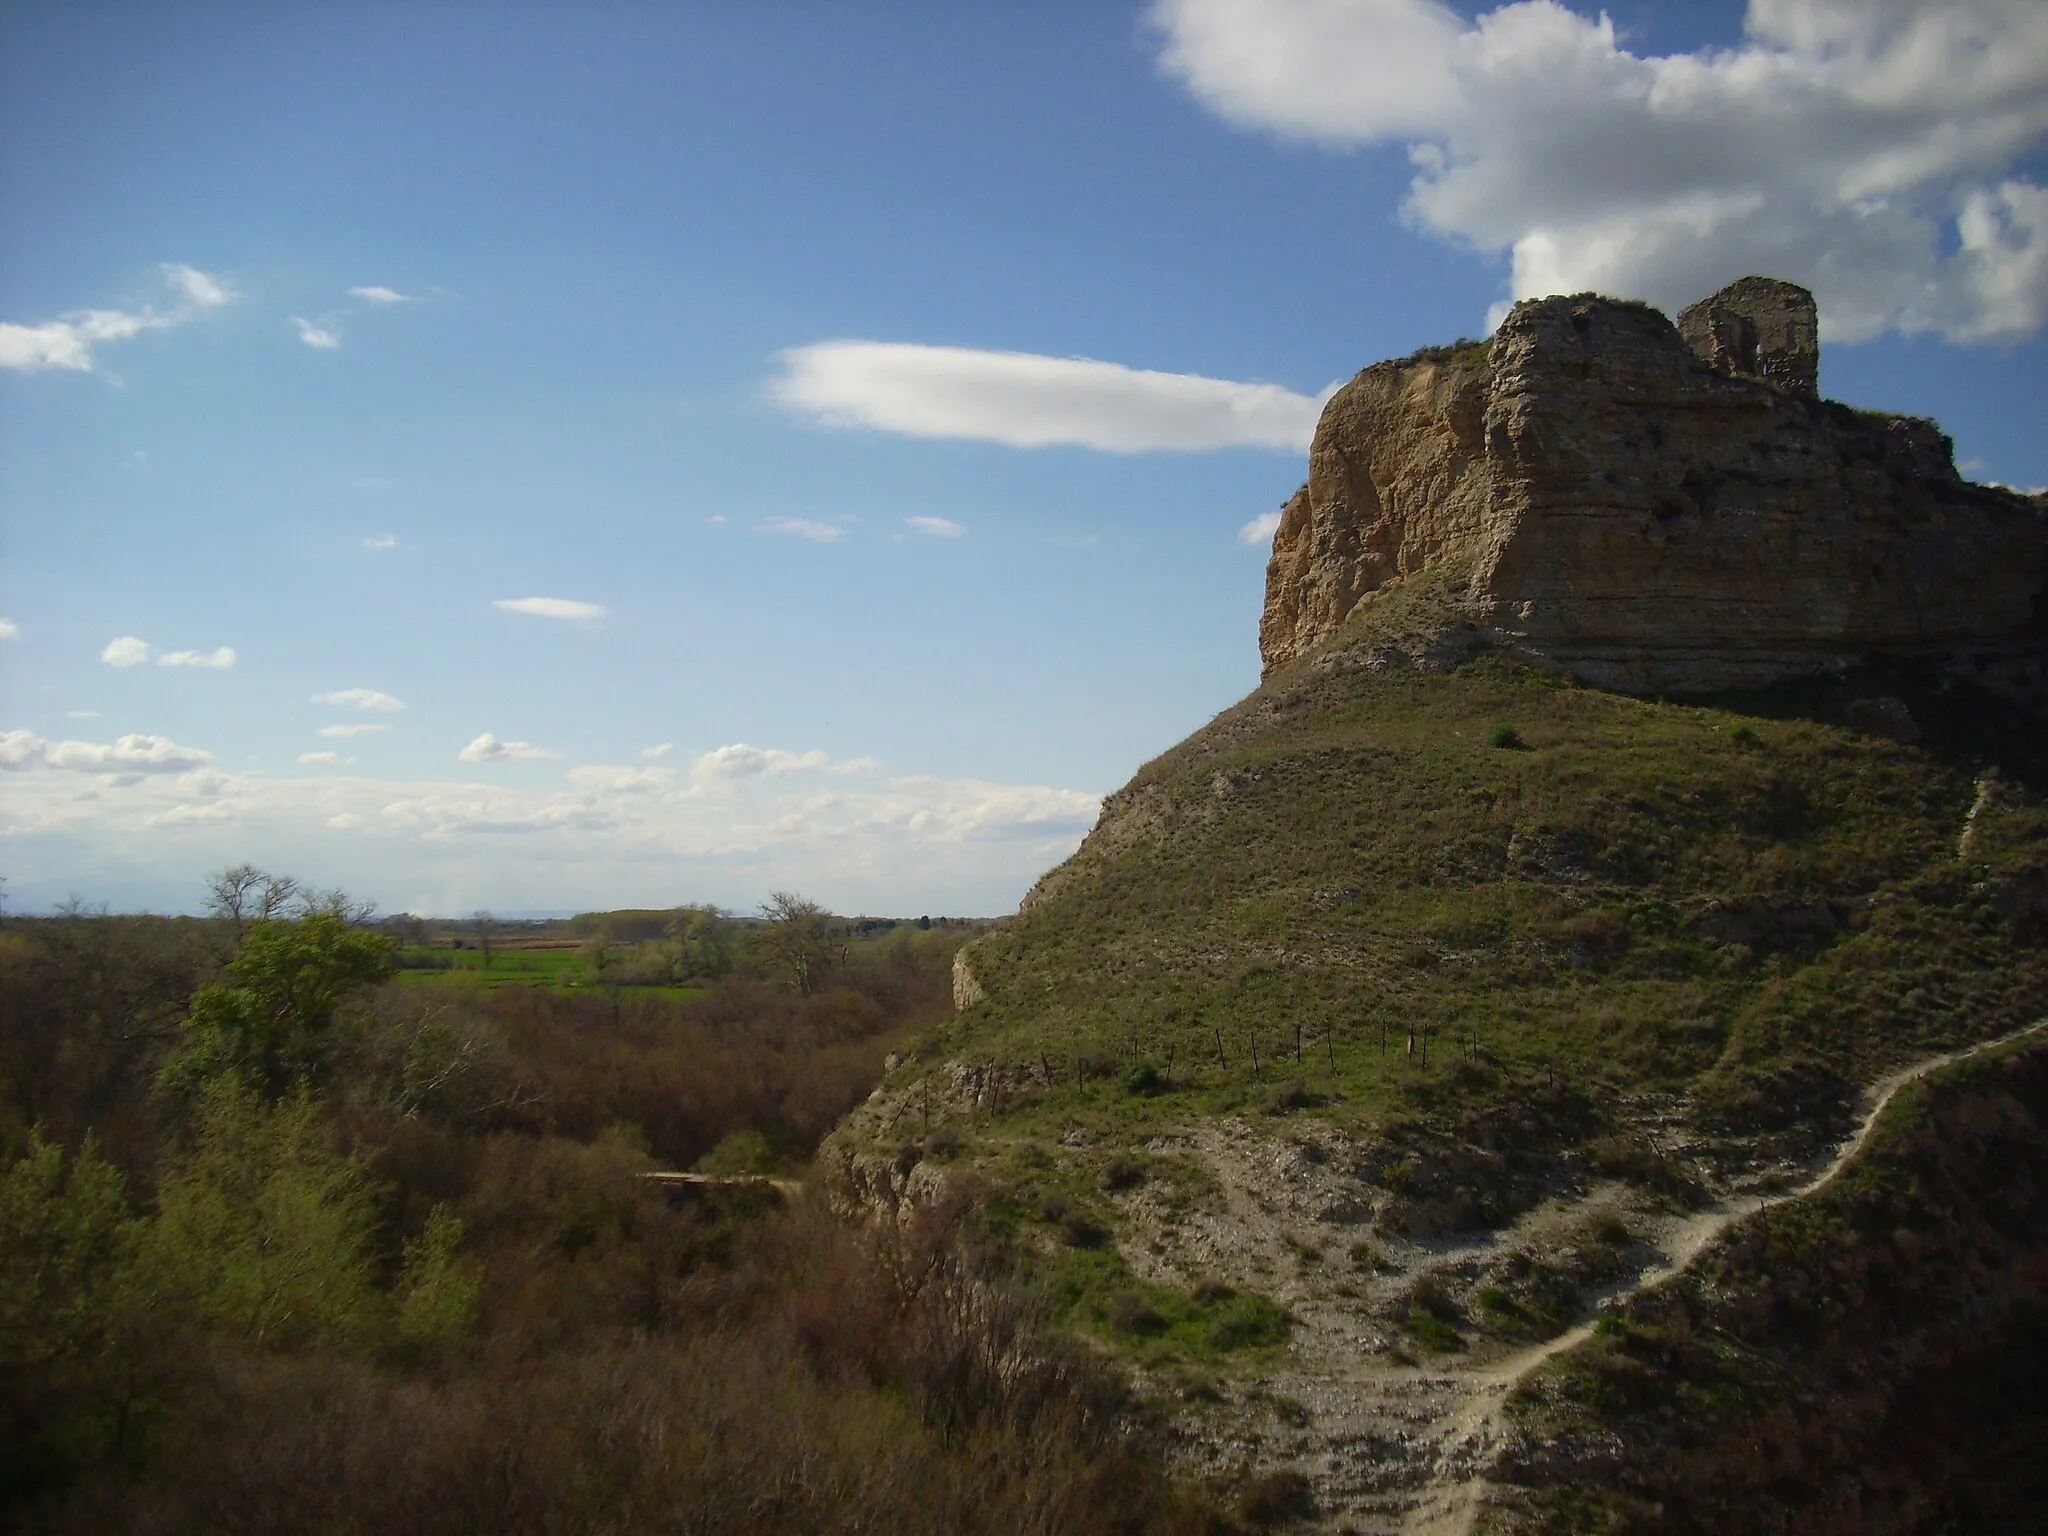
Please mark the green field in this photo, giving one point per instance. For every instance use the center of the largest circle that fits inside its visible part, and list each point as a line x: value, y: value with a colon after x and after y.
x: 561, y: 969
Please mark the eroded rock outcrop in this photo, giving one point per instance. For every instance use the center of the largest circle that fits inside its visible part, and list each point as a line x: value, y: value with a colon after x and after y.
x: 1655, y: 512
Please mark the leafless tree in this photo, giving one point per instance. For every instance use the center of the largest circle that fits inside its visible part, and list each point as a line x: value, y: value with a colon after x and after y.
x: 799, y: 939
x: 485, y: 927
x: 246, y: 894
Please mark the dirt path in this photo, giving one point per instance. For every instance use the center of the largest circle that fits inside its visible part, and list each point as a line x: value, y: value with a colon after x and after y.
x: 1402, y: 1449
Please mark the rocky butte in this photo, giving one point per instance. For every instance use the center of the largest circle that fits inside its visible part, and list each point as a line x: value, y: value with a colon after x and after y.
x: 1658, y: 507
x: 1472, y: 1101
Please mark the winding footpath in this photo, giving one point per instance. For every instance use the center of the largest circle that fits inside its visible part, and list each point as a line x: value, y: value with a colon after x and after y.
x: 1469, y: 1439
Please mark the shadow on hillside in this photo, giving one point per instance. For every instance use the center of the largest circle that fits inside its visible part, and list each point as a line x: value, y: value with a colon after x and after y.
x: 1959, y: 715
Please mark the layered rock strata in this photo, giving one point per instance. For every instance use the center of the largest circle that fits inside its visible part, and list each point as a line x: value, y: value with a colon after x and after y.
x: 1651, y: 516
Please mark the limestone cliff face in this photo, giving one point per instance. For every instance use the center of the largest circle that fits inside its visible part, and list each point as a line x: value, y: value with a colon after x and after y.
x: 1652, y: 516
x: 1398, y: 480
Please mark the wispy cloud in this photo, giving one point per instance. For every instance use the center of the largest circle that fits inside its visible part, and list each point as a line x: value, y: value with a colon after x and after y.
x: 551, y: 607
x: 934, y: 527
x: 380, y: 543
x: 9, y: 630
x: 488, y: 749
x: 1260, y: 530
x: 218, y: 660
x: 316, y: 336
x: 128, y: 651
x: 200, y: 290
x: 347, y: 732
x: 67, y: 342
x: 1023, y: 400
x: 1882, y: 154
x: 804, y: 528
x: 360, y: 698
x: 662, y: 750
x: 377, y: 293
x: 324, y: 759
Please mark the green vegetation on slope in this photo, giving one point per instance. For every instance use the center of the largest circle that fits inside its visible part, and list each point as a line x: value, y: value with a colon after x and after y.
x: 1472, y: 904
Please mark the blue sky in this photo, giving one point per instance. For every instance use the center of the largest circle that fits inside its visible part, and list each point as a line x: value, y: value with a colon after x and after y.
x: 326, y: 331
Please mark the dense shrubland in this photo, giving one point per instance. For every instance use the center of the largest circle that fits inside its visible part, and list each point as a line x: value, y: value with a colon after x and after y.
x: 287, y: 1246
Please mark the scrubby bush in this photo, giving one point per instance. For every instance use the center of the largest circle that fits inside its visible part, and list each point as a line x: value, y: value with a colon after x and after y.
x: 382, y: 1258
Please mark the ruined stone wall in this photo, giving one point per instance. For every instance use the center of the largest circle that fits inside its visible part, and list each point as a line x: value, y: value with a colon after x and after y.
x: 1760, y: 328
x: 1649, y: 519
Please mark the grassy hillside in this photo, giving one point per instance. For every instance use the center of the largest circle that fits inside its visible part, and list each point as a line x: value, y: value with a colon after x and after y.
x: 1493, y: 932
x: 1868, y: 1360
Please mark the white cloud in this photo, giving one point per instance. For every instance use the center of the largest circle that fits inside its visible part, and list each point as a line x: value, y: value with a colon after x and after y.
x: 346, y: 732
x: 380, y: 543
x: 488, y: 749
x: 66, y: 343
x: 1866, y: 150
x: 622, y: 780
x: 1260, y: 529
x: 551, y: 607
x: 936, y: 527
x: 316, y: 336
x: 377, y: 293
x: 595, y: 835
x: 804, y: 528
x: 188, y: 815
x: 130, y: 754
x: 125, y: 652
x: 81, y: 714
x: 662, y: 750
x: 324, y: 759
x: 740, y: 761
x: 200, y: 290
x: 218, y: 660
x: 9, y: 630
x: 1027, y: 401
x: 360, y: 698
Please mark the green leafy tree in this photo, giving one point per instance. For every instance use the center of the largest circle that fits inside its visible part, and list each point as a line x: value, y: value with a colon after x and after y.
x: 274, y: 1019
x: 596, y: 952
x: 699, y: 944
x: 439, y: 1291
x: 74, y: 1316
x: 264, y: 1225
